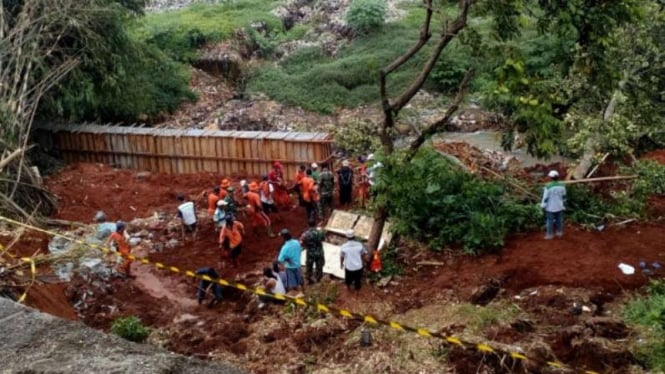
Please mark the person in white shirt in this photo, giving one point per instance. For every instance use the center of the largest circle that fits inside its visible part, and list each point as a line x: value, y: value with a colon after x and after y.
x: 273, y: 285
x: 352, y: 256
x: 187, y: 215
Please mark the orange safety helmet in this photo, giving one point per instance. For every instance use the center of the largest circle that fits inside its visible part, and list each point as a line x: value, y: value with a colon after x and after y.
x: 253, y: 186
x: 225, y: 183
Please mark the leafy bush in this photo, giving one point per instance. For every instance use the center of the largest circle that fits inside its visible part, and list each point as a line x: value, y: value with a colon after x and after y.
x: 130, y: 328
x: 356, y: 137
x: 365, y: 16
x: 433, y: 201
x: 648, y: 315
x: 651, y: 178
x: 180, y: 43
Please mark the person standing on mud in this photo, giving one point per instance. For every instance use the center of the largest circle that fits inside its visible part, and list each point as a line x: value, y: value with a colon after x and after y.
x: 230, y: 240
x: 255, y: 209
x: 351, y: 259
x: 309, y: 195
x: 315, y: 172
x: 289, y: 256
x: 118, y: 240
x: 104, y: 228
x: 345, y: 180
x: 297, y: 186
x: 187, y: 215
x: 326, y: 189
x: 554, y: 198
x: 312, y: 242
x: 206, y: 285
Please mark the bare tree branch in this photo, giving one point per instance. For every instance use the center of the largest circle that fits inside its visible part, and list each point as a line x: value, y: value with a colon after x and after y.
x: 438, y: 125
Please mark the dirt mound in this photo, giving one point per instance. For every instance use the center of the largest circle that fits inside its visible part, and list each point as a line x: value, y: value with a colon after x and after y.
x: 658, y: 155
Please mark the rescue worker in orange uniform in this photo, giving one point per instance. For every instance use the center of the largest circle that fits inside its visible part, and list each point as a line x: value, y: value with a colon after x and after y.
x: 224, y: 187
x: 255, y: 209
x: 230, y: 240
x: 276, y: 178
x: 117, y: 238
x: 213, y: 198
x: 309, y: 196
x: 297, y: 187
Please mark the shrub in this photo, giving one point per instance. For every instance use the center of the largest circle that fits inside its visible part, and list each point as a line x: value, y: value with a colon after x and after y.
x: 356, y: 137
x: 365, y: 16
x: 648, y: 315
x: 433, y: 201
x: 130, y: 328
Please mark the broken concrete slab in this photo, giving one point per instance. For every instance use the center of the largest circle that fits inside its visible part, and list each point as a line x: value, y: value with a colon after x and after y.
x: 35, y: 342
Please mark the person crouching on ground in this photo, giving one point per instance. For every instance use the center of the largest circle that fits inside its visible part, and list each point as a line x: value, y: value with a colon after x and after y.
x: 554, y: 198
x: 230, y: 240
x: 352, y: 255
x: 289, y: 256
x: 273, y: 285
x: 187, y: 215
x: 117, y: 238
x: 207, y: 285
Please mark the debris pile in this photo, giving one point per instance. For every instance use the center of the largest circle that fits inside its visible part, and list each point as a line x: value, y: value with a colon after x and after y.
x: 478, y: 160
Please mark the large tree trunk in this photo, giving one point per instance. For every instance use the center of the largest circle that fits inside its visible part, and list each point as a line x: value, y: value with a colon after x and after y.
x: 585, y: 163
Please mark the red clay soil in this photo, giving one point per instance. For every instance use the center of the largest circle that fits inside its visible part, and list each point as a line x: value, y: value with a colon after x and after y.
x: 658, y: 155
x: 579, y: 259
x: 47, y: 297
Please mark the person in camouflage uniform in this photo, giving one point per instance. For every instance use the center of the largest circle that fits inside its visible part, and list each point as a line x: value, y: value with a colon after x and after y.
x: 312, y: 241
x: 326, y: 187
x: 231, y: 207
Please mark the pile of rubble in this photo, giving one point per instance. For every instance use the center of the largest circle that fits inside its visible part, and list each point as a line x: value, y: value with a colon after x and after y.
x: 478, y: 160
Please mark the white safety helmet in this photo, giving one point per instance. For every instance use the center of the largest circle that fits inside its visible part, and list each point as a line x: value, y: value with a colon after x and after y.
x: 314, y: 165
x: 243, y: 182
x: 370, y: 157
x: 553, y: 174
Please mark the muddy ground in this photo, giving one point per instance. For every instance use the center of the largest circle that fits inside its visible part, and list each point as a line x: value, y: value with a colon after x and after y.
x: 556, y: 299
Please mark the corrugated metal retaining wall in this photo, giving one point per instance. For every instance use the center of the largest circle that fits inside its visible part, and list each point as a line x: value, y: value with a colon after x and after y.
x: 248, y: 153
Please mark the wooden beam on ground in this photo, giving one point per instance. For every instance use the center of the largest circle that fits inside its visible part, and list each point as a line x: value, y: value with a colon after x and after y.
x: 601, y: 179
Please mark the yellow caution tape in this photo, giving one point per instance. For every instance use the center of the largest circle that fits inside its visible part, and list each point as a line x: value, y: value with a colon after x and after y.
x: 452, y: 340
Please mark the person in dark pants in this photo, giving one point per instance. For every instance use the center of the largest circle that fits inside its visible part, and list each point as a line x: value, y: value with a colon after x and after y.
x: 345, y: 180
x: 205, y: 285
x: 312, y: 241
x: 352, y: 256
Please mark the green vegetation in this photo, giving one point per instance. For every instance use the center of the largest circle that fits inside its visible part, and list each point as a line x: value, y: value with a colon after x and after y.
x: 587, y: 207
x: 179, y: 33
x: 130, y: 328
x: 314, y: 81
x: 365, y: 16
x: 117, y: 78
x: 647, y: 314
x: 436, y: 202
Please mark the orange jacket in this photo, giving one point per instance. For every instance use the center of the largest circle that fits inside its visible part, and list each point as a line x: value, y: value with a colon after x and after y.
x: 119, y: 239
x: 300, y: 175
x: 254, y: 201
x: 306, y: 188
x: 212, y: 202
x: 234, y: 234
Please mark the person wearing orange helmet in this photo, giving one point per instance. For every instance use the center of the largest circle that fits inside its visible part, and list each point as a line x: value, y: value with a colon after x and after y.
x: 255, y: 208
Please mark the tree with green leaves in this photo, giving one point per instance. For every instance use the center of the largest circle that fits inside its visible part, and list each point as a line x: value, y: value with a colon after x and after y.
x: 534, y: 94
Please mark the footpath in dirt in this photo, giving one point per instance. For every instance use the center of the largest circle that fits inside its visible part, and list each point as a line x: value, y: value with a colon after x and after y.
x: 543, y: 278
